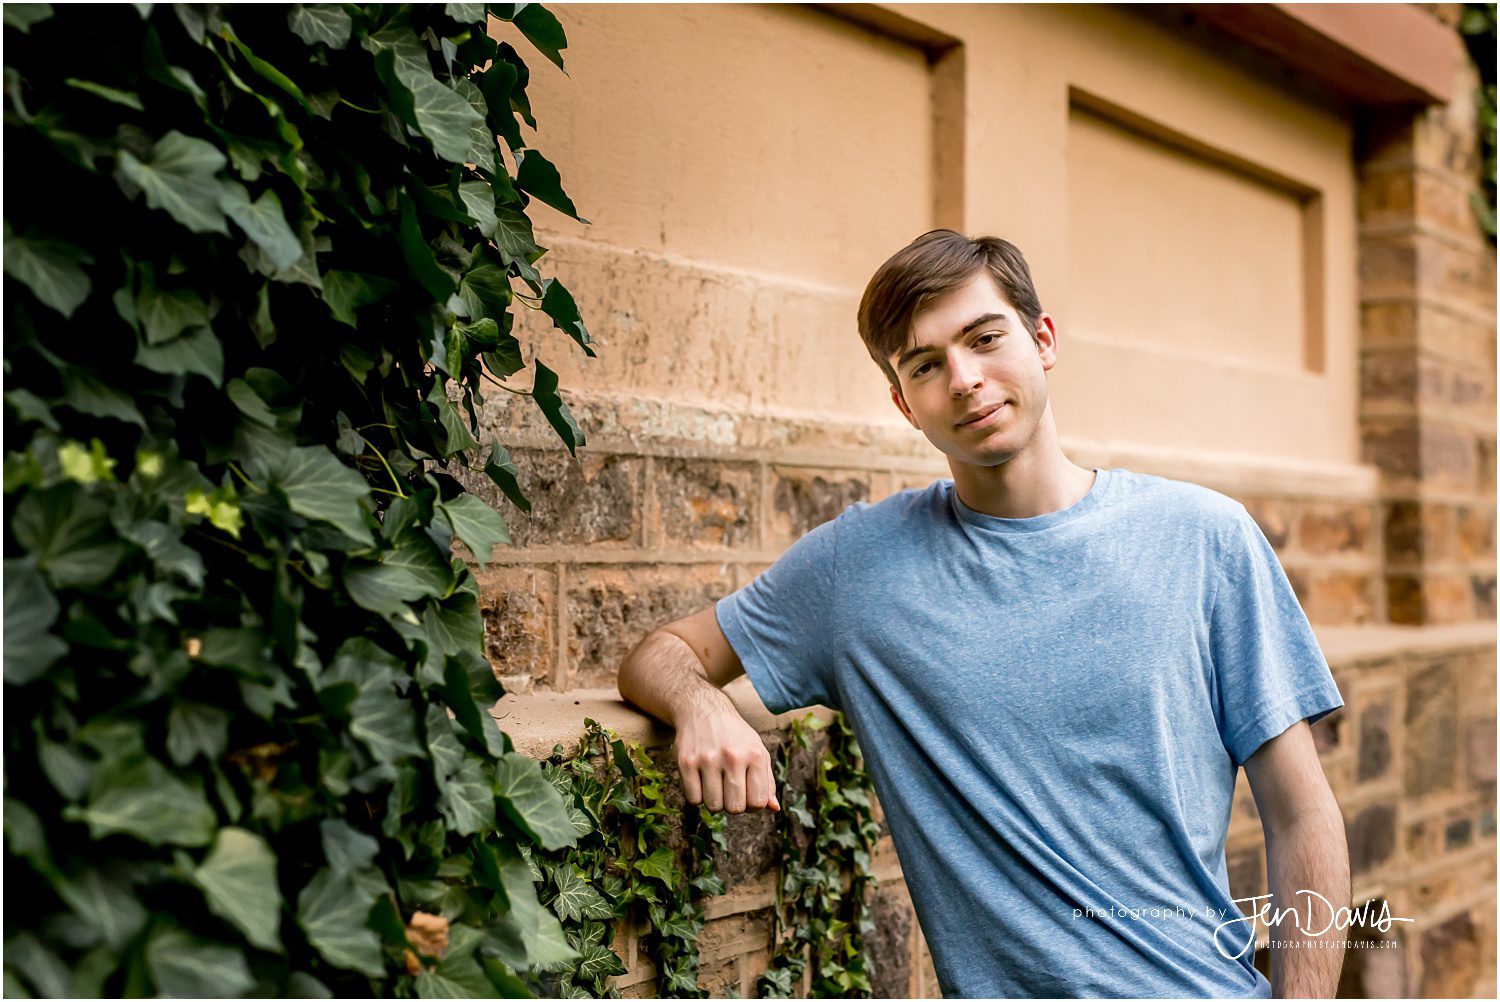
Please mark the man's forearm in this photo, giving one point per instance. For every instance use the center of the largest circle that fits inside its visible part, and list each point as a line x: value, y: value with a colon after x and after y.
x: 1310, y: 854
x: 665, y: 678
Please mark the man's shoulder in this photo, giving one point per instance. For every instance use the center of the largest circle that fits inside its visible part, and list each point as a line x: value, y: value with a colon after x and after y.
x: 1179, y: 499
x: 921, y: 503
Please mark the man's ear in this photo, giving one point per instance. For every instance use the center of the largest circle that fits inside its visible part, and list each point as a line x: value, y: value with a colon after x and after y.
x: 1046, y: 341
x: 900, y: 403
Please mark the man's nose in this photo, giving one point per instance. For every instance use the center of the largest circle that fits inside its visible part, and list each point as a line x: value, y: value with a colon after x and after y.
x: 965, y: 376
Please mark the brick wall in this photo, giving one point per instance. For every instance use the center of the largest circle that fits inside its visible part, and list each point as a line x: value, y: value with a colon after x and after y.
x: 672, y: 506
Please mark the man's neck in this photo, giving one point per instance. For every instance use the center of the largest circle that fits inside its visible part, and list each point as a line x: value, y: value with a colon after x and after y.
x: 1036, y: 481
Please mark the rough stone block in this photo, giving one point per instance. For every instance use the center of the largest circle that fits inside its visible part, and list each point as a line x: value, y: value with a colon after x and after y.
x: 1475, y: 535
x: 698, y: 502
x: 1374, y: 742
x: 1480, y: 746
x: 1331, y: 529
x: 889, y: 947
x: 752, y: 842
x: 609, y: 609
x: 1388, y: 323
x: 1387, y: 196
x: 593, y: 500
x: 1335, y: 598
x: 1372, y: 837
x: 1432, y: 725
x: 735, y: 934
x: 720, y: 978
x: 803, y: 499
x: 517, y: 604
x: 1388, y: 266
x: 1457, y: 834
x: 1483, y: 588
x: 1388, y: 376
x: 1416, y: 531
x: 1450, y: 959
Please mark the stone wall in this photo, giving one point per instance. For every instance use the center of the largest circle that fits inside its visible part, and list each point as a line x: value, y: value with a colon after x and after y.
x: 672, y: 506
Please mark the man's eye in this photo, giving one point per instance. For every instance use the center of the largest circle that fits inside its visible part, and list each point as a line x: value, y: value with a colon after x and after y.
x: 920, y: 369
x: 991, y: 336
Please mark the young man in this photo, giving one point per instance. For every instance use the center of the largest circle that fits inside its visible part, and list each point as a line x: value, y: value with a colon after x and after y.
x: 1054, y: 674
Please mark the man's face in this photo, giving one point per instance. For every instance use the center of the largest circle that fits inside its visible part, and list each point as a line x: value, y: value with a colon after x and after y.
x: 970, y: 353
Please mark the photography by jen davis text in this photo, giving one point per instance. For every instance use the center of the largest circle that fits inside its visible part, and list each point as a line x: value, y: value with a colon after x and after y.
x: 1313, y: 916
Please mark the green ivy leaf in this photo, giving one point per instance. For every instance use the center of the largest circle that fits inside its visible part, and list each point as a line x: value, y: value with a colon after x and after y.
x: 419, y: 257
x: 185, y: 966
x: 165, y: 313
x: 536, y: 176
x: 23, y: 16
x: 319, y: 487
x: 532, y: 804
x: 87, y: 394
x: 238, y: 879
x: 51, y: 269
x: 69, y: 535
x: 106, y: 904
x: 468, y: 799
x: 541, y: 27
x: 547, y: 398
x: 485, y: 287
x: 321, y: 22
x: 333, y: 910
x: 444, y: 116
x: 502, y: 470
x: 476, y: 523
x: 576, y: 898
x: 347, y: 291
x: 146, y: 801
x: 263, y: 222
x: 599, y: 961
x: 198, y: 352
x: 195, y: 729
x: 557, y: 303
x: 458, y: 437
x: 180, y: 177
x: 660, y: 865
x: 346, y: 849
x: 30, y: 611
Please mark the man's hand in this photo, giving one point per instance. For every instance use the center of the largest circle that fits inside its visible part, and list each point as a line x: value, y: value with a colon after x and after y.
x: 674, y: 674
x: 724, y: 763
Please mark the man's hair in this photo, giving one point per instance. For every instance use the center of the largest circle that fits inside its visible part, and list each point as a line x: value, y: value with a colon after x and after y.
x: 933, y: 265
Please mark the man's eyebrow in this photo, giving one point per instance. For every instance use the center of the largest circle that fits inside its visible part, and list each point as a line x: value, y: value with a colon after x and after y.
x: 970, y: 327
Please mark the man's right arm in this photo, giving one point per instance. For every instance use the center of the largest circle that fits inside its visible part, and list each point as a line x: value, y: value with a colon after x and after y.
x: 676, y: 674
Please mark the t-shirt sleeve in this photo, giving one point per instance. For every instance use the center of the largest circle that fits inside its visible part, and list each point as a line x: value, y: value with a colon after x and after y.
x: 1268, y: 668
x: 780, y: 623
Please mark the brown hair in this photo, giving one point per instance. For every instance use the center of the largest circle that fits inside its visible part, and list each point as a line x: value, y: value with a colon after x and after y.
x: 932, y: 265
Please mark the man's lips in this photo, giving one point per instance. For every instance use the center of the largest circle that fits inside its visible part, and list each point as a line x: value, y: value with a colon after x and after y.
x: 981, y: 415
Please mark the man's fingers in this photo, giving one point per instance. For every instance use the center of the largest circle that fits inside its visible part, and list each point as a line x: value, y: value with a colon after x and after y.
x: 734, y: 789
x: 757, y: 785
x: 713, y: 789
x: 692, y: 786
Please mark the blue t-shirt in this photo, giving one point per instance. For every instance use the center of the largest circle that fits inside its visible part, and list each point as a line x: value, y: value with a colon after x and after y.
x: 1053, y: 710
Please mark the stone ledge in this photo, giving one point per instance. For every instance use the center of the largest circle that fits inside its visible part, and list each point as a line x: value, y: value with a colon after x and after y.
x: 1346, y: 645
x: 536, y: 721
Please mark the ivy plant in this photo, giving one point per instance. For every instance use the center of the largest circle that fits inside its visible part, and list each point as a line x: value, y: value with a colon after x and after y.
x: 260, y: 264
x: 627, y: 865
x: 827, y: 840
